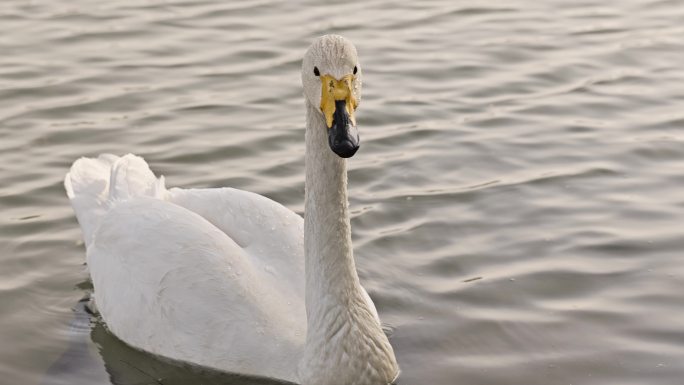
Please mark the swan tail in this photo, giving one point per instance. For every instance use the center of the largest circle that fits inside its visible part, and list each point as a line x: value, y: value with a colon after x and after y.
x: 132, y: 177
x: 93, y: 185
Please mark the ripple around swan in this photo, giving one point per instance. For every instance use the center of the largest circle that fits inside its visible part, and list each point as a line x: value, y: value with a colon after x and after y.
x: 516, y: 201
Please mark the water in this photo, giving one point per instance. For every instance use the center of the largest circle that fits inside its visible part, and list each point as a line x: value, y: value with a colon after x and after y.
x: 517, y: 199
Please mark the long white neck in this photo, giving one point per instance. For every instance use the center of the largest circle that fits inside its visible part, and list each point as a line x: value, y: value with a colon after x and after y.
x: 343, y: 337
x: 330, y: 271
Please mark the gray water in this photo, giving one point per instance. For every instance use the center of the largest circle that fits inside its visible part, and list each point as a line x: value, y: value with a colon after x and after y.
x: 517, y: 200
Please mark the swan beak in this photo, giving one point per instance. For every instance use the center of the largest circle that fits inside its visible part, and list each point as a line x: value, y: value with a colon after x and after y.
x: 338, y: 104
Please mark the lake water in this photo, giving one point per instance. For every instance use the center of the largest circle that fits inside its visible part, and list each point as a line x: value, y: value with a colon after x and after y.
x: 518, y: 199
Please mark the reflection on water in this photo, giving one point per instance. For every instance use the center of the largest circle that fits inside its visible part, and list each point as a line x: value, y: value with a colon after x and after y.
x: 124, y: 365
x: 516, y: 201
x: 78, y: 364
x: 128, y: 366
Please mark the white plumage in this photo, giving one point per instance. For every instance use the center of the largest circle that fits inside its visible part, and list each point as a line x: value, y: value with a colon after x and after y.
x: 229, y: 279
x: 210, y: 276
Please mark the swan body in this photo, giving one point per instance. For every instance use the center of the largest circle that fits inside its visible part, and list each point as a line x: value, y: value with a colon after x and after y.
x: 181, y: 273
x: 232, y: 280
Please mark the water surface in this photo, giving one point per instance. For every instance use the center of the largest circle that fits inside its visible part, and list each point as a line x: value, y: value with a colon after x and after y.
x: 517, y: 199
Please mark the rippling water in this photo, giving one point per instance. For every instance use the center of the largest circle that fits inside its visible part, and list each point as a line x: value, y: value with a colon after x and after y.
x: 517, y: 199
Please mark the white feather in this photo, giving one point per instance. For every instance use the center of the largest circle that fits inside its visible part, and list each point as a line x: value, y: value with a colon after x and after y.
x: 219, y: 277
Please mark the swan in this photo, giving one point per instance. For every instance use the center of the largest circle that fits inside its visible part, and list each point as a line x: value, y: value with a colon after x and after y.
x: 229, y: 279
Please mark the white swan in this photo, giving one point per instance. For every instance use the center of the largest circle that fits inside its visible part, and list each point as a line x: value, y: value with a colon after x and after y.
x: 229, y: 279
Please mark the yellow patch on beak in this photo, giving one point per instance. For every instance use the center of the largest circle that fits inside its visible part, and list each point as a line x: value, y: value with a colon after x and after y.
x: 332, y: 90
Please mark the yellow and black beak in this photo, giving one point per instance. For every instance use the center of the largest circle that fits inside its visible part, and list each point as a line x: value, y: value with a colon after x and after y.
x: 338, y: 105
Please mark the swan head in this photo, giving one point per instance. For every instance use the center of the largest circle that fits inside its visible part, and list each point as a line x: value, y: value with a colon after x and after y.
x: 331, y: 76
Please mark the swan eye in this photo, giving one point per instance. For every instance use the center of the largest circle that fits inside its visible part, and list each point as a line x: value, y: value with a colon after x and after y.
x: 316, y: 71
x: 355, y: 70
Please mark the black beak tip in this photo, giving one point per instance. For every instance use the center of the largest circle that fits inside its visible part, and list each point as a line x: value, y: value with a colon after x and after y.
x: 342, y: 136
x: 345, y: 148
